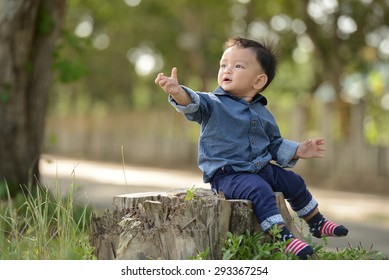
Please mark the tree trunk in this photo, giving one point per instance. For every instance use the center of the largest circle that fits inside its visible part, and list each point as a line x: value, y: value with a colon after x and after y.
x: 174, y: 225
x: 28, y: 32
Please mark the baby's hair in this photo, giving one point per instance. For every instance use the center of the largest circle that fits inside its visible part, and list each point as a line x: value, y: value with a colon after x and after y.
x: 265, y: 54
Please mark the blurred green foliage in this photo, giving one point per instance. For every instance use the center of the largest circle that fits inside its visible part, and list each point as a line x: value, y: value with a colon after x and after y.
x: 111, y: 52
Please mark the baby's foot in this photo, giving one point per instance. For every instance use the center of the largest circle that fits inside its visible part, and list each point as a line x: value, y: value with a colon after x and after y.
x: 299, y: 248
x: 328, y: 229
x: 295, y: 246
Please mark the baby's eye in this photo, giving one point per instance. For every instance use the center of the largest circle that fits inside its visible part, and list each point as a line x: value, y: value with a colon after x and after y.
x: 222, y: 65
x: 238, y: 66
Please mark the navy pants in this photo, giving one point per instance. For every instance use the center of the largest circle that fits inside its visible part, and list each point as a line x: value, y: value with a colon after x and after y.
x: 259, y: 188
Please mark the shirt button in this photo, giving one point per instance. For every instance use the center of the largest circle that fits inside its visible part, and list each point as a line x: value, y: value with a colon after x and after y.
x: 258, y: 163
x: 253, y: 123
x: 253, y: 142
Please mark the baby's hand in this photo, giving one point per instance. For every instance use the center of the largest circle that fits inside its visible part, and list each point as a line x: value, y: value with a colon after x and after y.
x: 169, y: 84
x: 311, y: 148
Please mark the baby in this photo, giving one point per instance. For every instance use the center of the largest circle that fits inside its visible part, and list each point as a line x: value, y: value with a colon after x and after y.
x: 240, y: 140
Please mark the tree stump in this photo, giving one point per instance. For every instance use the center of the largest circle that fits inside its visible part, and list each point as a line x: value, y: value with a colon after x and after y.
x: 174, y: 225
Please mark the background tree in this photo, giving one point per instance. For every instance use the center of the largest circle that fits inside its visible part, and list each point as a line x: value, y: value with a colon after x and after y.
x: 28, y: 33
x: 341, y: 34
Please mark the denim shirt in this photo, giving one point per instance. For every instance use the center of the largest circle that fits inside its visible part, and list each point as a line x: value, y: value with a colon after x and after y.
x: 234, y: 132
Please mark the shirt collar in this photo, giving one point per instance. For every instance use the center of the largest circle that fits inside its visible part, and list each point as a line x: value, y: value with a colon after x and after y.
x: 257, y: 98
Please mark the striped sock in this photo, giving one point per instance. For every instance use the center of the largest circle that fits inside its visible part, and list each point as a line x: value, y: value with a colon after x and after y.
x: 299, y: 248
x: 296, y: 246
x: 320, y: 227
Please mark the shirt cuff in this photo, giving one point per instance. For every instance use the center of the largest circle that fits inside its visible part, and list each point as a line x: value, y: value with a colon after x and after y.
x: 285, y: 153
x: 190, y: 108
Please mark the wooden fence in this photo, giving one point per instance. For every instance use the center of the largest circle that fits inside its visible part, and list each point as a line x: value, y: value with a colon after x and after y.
x: 164, y: 138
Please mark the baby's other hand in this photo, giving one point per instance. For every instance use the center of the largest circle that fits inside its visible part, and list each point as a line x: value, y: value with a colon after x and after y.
x: 311, y: 148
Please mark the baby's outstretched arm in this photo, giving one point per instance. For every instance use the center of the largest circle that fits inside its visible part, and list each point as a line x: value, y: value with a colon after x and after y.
x: 311, y: 148
x: 171, y: 86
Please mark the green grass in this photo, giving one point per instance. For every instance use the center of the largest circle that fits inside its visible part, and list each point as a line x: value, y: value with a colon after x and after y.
x: 258, y: 246
x: 43, y: 226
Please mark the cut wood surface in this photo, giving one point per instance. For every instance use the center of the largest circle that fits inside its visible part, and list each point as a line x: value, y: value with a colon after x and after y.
x: 174, y: 225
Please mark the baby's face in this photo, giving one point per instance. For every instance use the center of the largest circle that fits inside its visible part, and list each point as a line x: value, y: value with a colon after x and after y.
x: 239, y: 72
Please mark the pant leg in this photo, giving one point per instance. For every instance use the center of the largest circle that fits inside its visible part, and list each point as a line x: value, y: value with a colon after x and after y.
x: 293, y: 188
x: 254, y: 188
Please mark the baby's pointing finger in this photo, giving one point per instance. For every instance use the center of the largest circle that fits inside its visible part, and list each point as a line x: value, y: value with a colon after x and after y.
x: 174, y: 73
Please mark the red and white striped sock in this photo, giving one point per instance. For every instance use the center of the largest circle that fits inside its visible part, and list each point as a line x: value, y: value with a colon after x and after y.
x: 299, y: 248
x: 327, y: 229
x: 320, y: 227
x: 295, y: 246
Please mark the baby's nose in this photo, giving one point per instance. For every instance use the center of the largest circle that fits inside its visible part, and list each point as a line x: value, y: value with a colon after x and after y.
x: 227, y: 69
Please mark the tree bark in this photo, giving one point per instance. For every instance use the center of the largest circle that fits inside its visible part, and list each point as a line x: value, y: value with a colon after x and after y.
x: 171, y: 226
x: 28, y: 32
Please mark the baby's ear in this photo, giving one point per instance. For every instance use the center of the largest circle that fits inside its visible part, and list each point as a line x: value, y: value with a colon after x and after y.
x: 260, y: 82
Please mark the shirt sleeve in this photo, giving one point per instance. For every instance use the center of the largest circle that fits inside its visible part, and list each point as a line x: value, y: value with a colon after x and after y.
x: 190, y: 108
x: 285, y: 153
x: 200, y: 108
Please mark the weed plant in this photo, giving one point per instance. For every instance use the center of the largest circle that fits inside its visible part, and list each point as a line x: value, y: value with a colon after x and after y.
x: 259, y: 246
x: 44, y: 226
